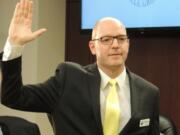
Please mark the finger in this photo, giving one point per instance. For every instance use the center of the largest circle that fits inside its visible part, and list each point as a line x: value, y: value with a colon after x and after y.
x: 29, y: 16
x: 21, y: 10
x: 16, y: 13
x: 38, y: 33
x: 28, y: 20
x: 25, y: 8
x: 15, y: 19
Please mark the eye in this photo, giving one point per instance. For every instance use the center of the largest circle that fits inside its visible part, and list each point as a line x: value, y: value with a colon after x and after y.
x: 122, y: 38
x: 106, y: 39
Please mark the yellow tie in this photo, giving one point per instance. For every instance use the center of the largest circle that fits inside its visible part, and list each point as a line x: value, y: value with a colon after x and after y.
x: 112, y: 111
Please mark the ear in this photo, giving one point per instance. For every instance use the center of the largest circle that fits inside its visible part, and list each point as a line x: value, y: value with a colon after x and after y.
x: 92, y: 47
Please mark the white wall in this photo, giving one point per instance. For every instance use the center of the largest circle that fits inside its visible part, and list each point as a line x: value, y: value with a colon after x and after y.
x: 40, y: 57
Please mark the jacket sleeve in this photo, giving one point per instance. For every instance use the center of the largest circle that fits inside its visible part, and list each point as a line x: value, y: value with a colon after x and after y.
x: 42, y: 97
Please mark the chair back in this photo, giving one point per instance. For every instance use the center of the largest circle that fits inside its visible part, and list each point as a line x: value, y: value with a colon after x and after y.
x: 167, y: 126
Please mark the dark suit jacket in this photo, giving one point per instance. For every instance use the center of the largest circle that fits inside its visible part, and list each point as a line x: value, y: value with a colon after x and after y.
x: 72, y: 98
x: 18, y: 126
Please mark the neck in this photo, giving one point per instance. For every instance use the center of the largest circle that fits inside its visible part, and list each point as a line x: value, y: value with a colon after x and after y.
x: 112, y: 72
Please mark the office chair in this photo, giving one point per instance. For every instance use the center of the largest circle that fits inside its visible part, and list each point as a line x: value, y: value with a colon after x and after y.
x: 167, y: 127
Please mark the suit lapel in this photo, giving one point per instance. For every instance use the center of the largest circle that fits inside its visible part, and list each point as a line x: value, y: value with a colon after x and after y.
x: 134, y: 94
x: 94, y: 86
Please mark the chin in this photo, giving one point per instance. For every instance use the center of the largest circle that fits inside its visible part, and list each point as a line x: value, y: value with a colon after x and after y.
x: 116, y: 65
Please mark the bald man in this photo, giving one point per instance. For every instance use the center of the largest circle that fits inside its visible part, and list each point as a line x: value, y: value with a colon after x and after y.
x: 104, y: 98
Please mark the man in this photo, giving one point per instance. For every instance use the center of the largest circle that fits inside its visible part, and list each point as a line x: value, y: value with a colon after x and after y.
x: 102, y: 98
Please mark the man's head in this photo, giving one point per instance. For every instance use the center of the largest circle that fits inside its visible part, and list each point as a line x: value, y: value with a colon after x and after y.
x: 109, y: 43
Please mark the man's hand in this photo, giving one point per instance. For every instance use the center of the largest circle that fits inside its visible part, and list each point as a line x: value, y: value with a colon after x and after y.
x: 20, y: 31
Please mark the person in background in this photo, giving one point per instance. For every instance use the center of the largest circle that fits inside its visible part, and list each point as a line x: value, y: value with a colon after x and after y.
x: 103, y: 98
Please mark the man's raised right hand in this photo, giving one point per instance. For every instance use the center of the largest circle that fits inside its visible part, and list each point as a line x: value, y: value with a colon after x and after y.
x: 20, y: 31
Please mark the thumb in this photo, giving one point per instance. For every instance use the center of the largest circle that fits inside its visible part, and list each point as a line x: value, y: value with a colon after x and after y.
x: 38, y: 33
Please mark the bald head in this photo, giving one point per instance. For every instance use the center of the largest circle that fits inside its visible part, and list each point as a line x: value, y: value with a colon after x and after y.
x: 108, y: 24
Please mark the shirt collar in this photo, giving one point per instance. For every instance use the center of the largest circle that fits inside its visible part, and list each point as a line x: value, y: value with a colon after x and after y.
x: 105, y: 78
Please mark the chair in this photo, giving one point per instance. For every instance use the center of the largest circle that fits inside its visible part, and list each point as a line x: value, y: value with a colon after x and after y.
x: 167, y: 127
x: 17, y: 126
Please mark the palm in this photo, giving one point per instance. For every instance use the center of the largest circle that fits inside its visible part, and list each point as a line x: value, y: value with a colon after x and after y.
x: 21, y: 32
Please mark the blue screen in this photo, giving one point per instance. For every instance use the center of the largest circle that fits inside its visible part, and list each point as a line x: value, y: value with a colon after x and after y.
x: 133, y: 13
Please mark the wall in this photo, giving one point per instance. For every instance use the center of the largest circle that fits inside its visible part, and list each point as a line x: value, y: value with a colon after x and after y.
x: 51, y: 48
x: 41, y: 56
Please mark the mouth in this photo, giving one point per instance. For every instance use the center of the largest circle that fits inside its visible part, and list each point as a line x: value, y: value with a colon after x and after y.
x: 115, y: 54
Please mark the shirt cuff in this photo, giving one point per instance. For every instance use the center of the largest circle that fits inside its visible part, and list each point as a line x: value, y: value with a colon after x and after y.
x: 12, y: 51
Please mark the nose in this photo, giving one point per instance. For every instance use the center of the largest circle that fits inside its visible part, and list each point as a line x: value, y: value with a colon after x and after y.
x: 115, y: 43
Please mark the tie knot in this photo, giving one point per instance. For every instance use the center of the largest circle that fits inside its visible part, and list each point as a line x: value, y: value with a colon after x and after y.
x: 112, y: 82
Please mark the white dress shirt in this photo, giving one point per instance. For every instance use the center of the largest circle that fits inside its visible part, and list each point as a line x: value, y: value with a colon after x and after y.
x: 123, y: 93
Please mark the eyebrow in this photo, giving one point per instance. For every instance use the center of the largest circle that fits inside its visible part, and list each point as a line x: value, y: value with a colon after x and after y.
x: 114, y: 35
